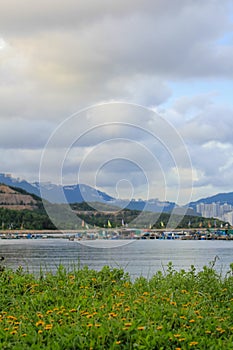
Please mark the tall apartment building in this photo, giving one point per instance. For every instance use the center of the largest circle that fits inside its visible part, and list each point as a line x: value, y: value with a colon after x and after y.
x: 216, y: 210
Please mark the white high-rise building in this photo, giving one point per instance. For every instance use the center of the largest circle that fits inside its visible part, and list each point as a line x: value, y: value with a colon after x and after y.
x: 229, y: 217
x: 215, y: 210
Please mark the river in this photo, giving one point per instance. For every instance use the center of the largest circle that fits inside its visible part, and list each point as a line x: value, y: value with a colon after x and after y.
x: 143, y: 257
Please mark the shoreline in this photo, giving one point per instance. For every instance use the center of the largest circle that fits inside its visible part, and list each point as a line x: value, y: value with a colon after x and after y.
x: 123, y: 234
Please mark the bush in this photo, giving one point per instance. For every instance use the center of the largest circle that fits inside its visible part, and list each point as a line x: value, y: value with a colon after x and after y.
x: 88, y: 309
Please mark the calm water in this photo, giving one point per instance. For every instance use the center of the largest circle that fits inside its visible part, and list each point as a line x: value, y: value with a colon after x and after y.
x: 143, y: 257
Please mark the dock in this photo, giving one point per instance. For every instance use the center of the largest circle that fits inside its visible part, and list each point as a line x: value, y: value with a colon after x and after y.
x: 120, y: 233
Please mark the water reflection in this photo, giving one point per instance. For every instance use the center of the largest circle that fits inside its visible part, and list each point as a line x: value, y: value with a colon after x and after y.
x: 139, y: 258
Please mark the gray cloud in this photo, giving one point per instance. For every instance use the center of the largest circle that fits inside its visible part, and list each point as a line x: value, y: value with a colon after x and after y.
x: 51, y: 14
x: 215, y: 123
x: 16, y: 133
x: 61, y: 57
x: 209, y: 141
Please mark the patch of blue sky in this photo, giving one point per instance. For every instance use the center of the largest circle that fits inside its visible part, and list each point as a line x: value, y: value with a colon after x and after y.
x: 226, y: 40
x: 220, y: 89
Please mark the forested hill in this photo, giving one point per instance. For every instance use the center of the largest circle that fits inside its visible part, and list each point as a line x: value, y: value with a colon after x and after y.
x: 21, y: 210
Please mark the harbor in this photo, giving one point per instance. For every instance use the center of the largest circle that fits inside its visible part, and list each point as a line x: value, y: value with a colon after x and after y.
x: 122, y: 233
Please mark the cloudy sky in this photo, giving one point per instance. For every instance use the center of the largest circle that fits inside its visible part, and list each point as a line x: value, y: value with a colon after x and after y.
x: 168, y: 63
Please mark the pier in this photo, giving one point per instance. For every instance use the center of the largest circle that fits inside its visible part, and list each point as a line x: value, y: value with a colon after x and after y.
x: 120, y: 233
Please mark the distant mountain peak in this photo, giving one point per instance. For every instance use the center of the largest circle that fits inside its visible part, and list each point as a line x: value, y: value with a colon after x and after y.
x: 78, y: 193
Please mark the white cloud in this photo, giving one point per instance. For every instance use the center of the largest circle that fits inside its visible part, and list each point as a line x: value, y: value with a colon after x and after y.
x: 57, y: 58
x: 214, y: 123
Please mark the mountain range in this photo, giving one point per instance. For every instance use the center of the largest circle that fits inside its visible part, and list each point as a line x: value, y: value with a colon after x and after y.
x: 220, y: 198
x: 83, y: 193
x: 21, y: 210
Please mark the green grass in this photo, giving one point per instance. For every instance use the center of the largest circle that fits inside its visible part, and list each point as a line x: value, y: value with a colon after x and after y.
x: 88, y: 309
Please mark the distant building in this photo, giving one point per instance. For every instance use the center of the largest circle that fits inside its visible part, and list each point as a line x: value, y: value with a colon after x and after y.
x: 229, y: 217
x: 216, y: 210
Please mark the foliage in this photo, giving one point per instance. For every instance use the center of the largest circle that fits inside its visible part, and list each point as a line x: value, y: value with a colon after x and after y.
x: 38, y: 219
x: 28, y: 219
x: 135, y: 219
x: 88, y: 309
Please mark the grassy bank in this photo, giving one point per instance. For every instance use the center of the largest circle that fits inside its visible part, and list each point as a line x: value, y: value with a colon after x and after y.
x: 86, y: 309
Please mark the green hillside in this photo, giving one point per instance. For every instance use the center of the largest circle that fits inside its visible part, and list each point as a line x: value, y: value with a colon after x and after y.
x: 21, y: 210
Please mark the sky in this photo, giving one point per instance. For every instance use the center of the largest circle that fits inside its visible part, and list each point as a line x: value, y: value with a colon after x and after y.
x: 134, y: 97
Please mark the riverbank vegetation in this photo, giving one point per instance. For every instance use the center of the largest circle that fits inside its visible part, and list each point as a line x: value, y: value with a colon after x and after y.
x: 25, y: 219
x: 88, y: 309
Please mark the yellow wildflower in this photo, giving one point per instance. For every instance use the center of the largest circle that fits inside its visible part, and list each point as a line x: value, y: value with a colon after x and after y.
x: 219, y: 329
x: 84, y: 313
x: 128, y: 324
x: 193, y: 343
x: 11, y: 318
x: 48, y: 326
